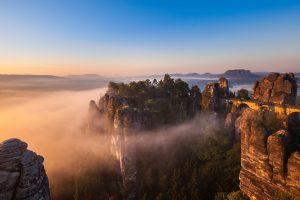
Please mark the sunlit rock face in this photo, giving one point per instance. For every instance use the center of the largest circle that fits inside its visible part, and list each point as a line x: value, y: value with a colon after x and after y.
x: 223, y: 88
x: 276, y: 88
x: 22, y: 174
x: 267, y: 165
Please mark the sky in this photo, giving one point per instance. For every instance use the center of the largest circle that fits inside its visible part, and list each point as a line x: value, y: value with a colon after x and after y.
x: 143, y: 37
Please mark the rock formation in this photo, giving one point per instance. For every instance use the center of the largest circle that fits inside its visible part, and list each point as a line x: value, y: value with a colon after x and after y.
x: 214, y: 93
x: 223, y: 88
x: 267, y: 165
x: 276, y: 88
x: 96, y: 121
x: 22, y: 174
x: 229, y: 126
x: 130, y: 108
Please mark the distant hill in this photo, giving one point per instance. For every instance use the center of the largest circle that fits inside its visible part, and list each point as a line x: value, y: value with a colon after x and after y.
x: 240, y: 74
x: 84, y: 76
x: 25, y: 77
x: 233, y: 74
x: 196, y: 75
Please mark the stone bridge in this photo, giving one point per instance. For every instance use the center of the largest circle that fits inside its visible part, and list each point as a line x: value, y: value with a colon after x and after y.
x: 281, y: 110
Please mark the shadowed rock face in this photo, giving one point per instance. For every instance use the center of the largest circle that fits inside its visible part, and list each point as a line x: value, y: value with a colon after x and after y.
x: 125, y: 121
x: 276, y: 88
x: 128, y: 113
x: 22, y: 174
x: 266, y: 167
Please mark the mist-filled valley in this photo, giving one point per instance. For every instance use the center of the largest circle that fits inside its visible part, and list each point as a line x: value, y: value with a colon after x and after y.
x: 149, y: 100
x: 79, y: 164
x: 158, y: 139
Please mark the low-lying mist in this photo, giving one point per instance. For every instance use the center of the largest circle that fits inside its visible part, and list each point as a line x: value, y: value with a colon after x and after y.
x: 53, y: 125
x: 78, y: 162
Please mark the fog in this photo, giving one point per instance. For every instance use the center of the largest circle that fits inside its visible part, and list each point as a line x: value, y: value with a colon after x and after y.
x: 203, y: 123
x: 53, y: 124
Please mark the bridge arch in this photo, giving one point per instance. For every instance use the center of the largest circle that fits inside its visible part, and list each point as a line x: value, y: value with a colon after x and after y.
x: 281, y: 110
x: 241, y: 107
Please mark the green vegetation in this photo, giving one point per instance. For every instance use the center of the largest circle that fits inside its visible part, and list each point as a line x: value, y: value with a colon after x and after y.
x: 101, y: 181
x: 190, y: 167
x: 243, y: 94
x: 238, y: 195
x: 165, y: 101
x: 284, y: 196
x: 195, y: 168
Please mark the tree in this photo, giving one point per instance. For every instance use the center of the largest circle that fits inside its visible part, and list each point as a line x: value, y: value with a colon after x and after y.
x: 284, y: 196
x: 231, y: 94
x: 238, y: 195
x: 181, y: 89
x: 195, y: 91
x: 243, y: 94
x: 113, y: 87
x: 221, y: 196
x: 168, y: 83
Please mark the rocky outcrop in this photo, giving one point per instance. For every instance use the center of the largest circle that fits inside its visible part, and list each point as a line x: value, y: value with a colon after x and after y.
x: 130, y: 108
x: 229, y: 126
x: 126, y: 121
x: 223, y: 88
x: 276, y: 88
x: 22, y: 174
x: 266, y: 167
x: 214, y: 94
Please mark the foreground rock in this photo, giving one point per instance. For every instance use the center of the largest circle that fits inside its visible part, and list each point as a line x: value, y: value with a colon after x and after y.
x: 276, y: 88
x: 22, y: 174
x: 267, y: 165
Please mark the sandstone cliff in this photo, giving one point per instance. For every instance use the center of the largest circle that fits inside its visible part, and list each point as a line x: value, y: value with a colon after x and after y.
x: 267, y: 165
x: 276, y: 88
x: 129, y: 108
x: 214, y: 93
x: 22, y: 174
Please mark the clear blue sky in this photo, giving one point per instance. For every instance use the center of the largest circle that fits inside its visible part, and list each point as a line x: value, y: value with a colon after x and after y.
x: 148, y: 37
